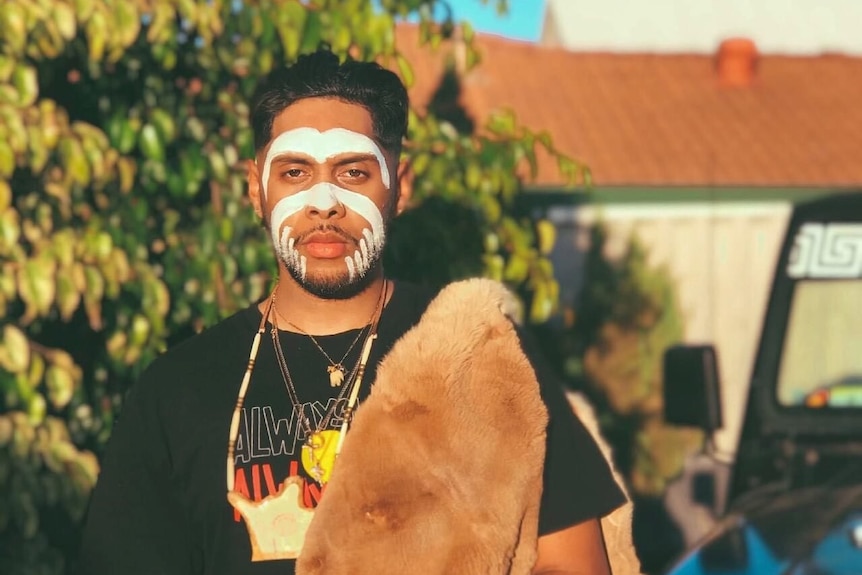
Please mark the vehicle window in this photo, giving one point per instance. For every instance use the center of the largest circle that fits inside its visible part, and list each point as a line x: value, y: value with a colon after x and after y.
x: 821, y: 360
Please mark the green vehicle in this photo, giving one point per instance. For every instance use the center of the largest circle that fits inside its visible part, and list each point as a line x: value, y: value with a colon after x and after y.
x: 795, y: 491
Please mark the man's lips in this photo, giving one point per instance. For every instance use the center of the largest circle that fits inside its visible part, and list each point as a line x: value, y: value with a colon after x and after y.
x: 324, y: 245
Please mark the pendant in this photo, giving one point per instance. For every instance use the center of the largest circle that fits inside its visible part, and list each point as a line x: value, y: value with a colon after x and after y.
x: 315, y: 440
x: 336, y: 374
x: 318, y: 454
x: 277, y: 524
x: 317, y: 473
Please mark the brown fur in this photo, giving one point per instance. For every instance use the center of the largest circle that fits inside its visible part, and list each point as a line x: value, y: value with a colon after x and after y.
x: 441, y: 471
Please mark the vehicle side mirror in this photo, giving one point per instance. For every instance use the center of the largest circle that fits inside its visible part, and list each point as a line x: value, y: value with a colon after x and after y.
x: 691, y: 387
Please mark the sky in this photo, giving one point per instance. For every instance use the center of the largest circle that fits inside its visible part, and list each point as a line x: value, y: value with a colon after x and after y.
x: 523, y: 21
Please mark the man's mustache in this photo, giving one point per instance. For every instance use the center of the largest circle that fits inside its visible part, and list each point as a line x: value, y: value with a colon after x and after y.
x: 327, y: 229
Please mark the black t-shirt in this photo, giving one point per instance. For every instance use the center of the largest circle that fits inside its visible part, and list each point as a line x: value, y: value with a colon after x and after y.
x: 160, y: 505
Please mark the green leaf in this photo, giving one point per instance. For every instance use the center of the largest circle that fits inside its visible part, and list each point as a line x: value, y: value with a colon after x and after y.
x: 74, y: 161
x: 39, y: 152
x: 25, y: 82
x: 68, y: 296
x: 61, y: 386
x: 164, y: 124
x: 502, y: 123
x: 13, y: 22
x: 140, y: 330
x: 7, y: 160
x: 517, y: 268
x: 64, y: 19
x: 14, y: 350
x: 494, y: 265
x: 97, y: 35
x: 40, y: 276
x: 84, y: 471
x: 84, y: 9
x: 546, y: 234
x: 406, y: 70
x: 36, y: 371
x: 541, y: 306
x: 292, y: 28
x: 93, y: 294
x: 7, y: 65
x: 5, y: 195
x: 467, y: 32
x: 151, y: 144
x: 126, y: 169
x: 127, y: 22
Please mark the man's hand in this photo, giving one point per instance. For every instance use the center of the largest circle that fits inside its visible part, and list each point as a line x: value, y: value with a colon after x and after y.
x: 576, y: 550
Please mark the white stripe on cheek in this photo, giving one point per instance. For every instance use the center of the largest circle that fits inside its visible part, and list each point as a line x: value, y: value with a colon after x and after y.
x: 282, y: 242
x: 286, y: 207
x: 363, y: 247
x: 368, y: 210
x: 371, y: 240
x: 323, y: 193
x: 323, y: 196
x: 321, y: 146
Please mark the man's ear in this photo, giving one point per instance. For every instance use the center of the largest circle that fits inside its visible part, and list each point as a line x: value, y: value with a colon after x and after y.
x: 255, y: 194
x: 405, y: 186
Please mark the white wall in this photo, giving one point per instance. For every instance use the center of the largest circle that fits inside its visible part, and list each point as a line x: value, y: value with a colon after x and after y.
x: 777, y: 26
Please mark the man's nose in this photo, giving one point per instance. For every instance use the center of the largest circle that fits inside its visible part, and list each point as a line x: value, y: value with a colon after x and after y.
x: 334, y: 210
x: 323, y: 204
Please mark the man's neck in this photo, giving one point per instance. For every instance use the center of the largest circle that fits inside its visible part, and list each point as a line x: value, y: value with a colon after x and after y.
x: 298, y: 310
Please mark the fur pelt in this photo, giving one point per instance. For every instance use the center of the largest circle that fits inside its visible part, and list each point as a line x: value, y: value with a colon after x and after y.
x: 441, y: 471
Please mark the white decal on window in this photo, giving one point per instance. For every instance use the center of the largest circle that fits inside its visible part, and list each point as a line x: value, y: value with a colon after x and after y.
x: 831, y: 250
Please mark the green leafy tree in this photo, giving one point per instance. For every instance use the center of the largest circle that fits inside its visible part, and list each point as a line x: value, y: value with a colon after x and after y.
x: 124, y: 225
x: 625, y: 317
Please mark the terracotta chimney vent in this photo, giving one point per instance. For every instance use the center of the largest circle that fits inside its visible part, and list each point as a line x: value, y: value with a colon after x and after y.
x: 736, y: 62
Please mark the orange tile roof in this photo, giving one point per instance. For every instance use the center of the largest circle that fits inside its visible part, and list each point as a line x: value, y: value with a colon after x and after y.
x: 664, y: 120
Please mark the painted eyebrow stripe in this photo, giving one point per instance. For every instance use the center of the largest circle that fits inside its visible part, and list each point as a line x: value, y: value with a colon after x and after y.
x: 321, y: 146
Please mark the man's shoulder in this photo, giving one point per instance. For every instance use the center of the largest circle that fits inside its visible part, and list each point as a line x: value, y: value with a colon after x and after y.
x: 412, y: 295
x: 210, y: 348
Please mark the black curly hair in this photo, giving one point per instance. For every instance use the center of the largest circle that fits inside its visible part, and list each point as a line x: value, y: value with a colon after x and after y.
x: 322, y: 74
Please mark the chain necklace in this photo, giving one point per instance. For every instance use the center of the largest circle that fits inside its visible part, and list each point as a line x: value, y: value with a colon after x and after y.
x: 322, y: 445
x: 281, y: 517
x: 311, y: 434
x: 335, y: 369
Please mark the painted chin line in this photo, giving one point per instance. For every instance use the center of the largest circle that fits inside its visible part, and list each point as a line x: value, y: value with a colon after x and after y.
x: 358, y: 265
x: 289, y: 255
x: 323, y: 196
x: 370, y: 247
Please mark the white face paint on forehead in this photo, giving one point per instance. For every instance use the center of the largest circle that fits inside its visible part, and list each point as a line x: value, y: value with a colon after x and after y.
x: 323, y: 196
x: 321, y: 146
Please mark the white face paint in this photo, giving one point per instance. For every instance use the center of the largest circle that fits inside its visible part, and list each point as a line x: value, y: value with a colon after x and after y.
x: 321, y: 146
x: 324, y: 196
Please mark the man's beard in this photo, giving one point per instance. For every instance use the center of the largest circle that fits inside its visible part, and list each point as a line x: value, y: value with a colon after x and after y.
x: 336, y: 284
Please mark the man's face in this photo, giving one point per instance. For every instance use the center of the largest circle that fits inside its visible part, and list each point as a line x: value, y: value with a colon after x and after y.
x: 326, y: 191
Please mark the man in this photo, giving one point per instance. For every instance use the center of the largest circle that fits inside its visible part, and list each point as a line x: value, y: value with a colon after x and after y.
x: 325, y: 182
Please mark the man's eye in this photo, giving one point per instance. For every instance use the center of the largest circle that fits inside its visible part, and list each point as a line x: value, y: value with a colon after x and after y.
x: 354, y: 173
x: 292, y: 173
